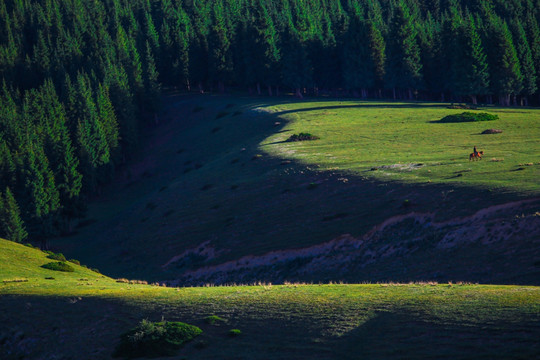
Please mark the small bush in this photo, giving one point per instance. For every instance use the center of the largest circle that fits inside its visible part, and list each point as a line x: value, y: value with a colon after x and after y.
x: 155, y: 339
x: 214, y: 320
x: 468, y: 116
x: 312, y: 186
x: 96, y: 270
x: 207, y: 187
x: 53, y: 256
x: 302, y: 137
x: 491, y: 131
x: 221, y: 114
x: 234, y: 332
x: 74, y: 261
x: 31, y: 246
x: 58, y: 266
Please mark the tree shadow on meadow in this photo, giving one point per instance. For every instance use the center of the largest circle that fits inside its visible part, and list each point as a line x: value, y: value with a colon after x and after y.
x: 224, y: 191
x: 392, y: 335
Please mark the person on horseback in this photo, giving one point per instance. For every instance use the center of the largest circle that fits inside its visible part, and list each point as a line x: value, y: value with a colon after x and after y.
x: 475, y: 152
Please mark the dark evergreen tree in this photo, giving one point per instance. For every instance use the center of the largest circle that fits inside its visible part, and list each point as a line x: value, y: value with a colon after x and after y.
x: 505, y: 71
x: 11, y: 224
x: 525, y: 60
x: 404, y: 69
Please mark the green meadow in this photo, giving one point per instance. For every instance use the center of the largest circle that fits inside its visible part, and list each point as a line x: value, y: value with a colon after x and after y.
x: 407, y: 142
x: 218, y: 172
x: 81, y: 315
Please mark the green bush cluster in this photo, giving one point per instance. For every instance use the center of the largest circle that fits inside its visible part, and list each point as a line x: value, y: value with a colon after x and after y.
x: 58, y: 266
x: 302, y: 137
x: 468, y: 116
x: 214, y: 320
x: 155, y: 339
x: 54, y: 256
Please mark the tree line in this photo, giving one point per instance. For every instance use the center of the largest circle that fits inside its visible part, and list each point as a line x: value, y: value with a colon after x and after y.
x: 79, y: 78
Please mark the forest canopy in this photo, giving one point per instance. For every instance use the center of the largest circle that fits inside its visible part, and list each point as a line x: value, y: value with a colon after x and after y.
x: 80, y: 77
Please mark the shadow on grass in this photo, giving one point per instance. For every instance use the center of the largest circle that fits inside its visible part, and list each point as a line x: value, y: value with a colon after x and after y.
x: 391, y: 335
x: 90, y: 327
x: 265, y: 205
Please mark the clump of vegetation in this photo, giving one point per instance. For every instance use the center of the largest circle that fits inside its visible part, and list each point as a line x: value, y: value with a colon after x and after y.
x: 53, y: 256
x: 207, y: 187
x: 15, y: 280
x: 132, y: 282
x: 75, y: 261
x: 151, y: 205
x: 468, y: 116
x: 302, y: 137
x: 234, y: 332
x: 155, y: 339
x: 463, y: 106
x: 491, y: 131
x: 58, y: 266
x: 214, y: 320
x: 221, y: 114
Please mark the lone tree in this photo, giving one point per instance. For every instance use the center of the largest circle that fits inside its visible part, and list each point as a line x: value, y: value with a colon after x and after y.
x: 11, y: 225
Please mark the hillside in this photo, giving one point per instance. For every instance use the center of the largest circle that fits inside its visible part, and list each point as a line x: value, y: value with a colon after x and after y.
x: 387, y: 194
x: 82, y: 314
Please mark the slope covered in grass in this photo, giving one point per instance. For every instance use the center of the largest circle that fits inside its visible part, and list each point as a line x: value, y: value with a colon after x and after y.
x: 217, y: 188
x: 74, y: 318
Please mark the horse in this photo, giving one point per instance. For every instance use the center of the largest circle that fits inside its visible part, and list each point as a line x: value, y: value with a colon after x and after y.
x: 476, y: 156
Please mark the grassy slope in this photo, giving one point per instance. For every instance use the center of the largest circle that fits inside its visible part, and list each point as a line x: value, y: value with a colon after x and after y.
x: 199, y: 179
x: 359, y: 136
x: 73, y: 318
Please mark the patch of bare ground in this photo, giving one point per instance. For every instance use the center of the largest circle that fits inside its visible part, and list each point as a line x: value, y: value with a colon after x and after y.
x: 498, y: 229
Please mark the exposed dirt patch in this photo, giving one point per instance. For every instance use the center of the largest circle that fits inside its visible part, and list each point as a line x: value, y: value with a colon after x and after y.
x: 498, y: 228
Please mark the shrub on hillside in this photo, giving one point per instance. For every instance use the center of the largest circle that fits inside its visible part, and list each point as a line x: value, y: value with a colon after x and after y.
x: 53, y: 256
x: 75, y: 261
x: 58, y: 266
x: 214, y: 320
x: 155, y: 339
x: 468, y: 116
x: 302, y: 137
x: 234, y: 332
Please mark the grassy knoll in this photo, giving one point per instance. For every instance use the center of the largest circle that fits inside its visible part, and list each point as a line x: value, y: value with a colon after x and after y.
x: 217, y: 181
x: 82, y: 314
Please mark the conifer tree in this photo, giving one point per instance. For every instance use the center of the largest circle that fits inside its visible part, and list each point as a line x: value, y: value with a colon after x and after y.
x: 358, y: 67
x: 220, y: 57
x: 11, y: 225
x: 505, y: 71
x: 525, y: 60
x: 471, y: 68
x: 404, y: 69
x: 296, y: 70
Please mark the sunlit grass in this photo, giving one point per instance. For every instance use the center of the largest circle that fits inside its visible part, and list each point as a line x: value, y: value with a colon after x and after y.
x: 405, y: 142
